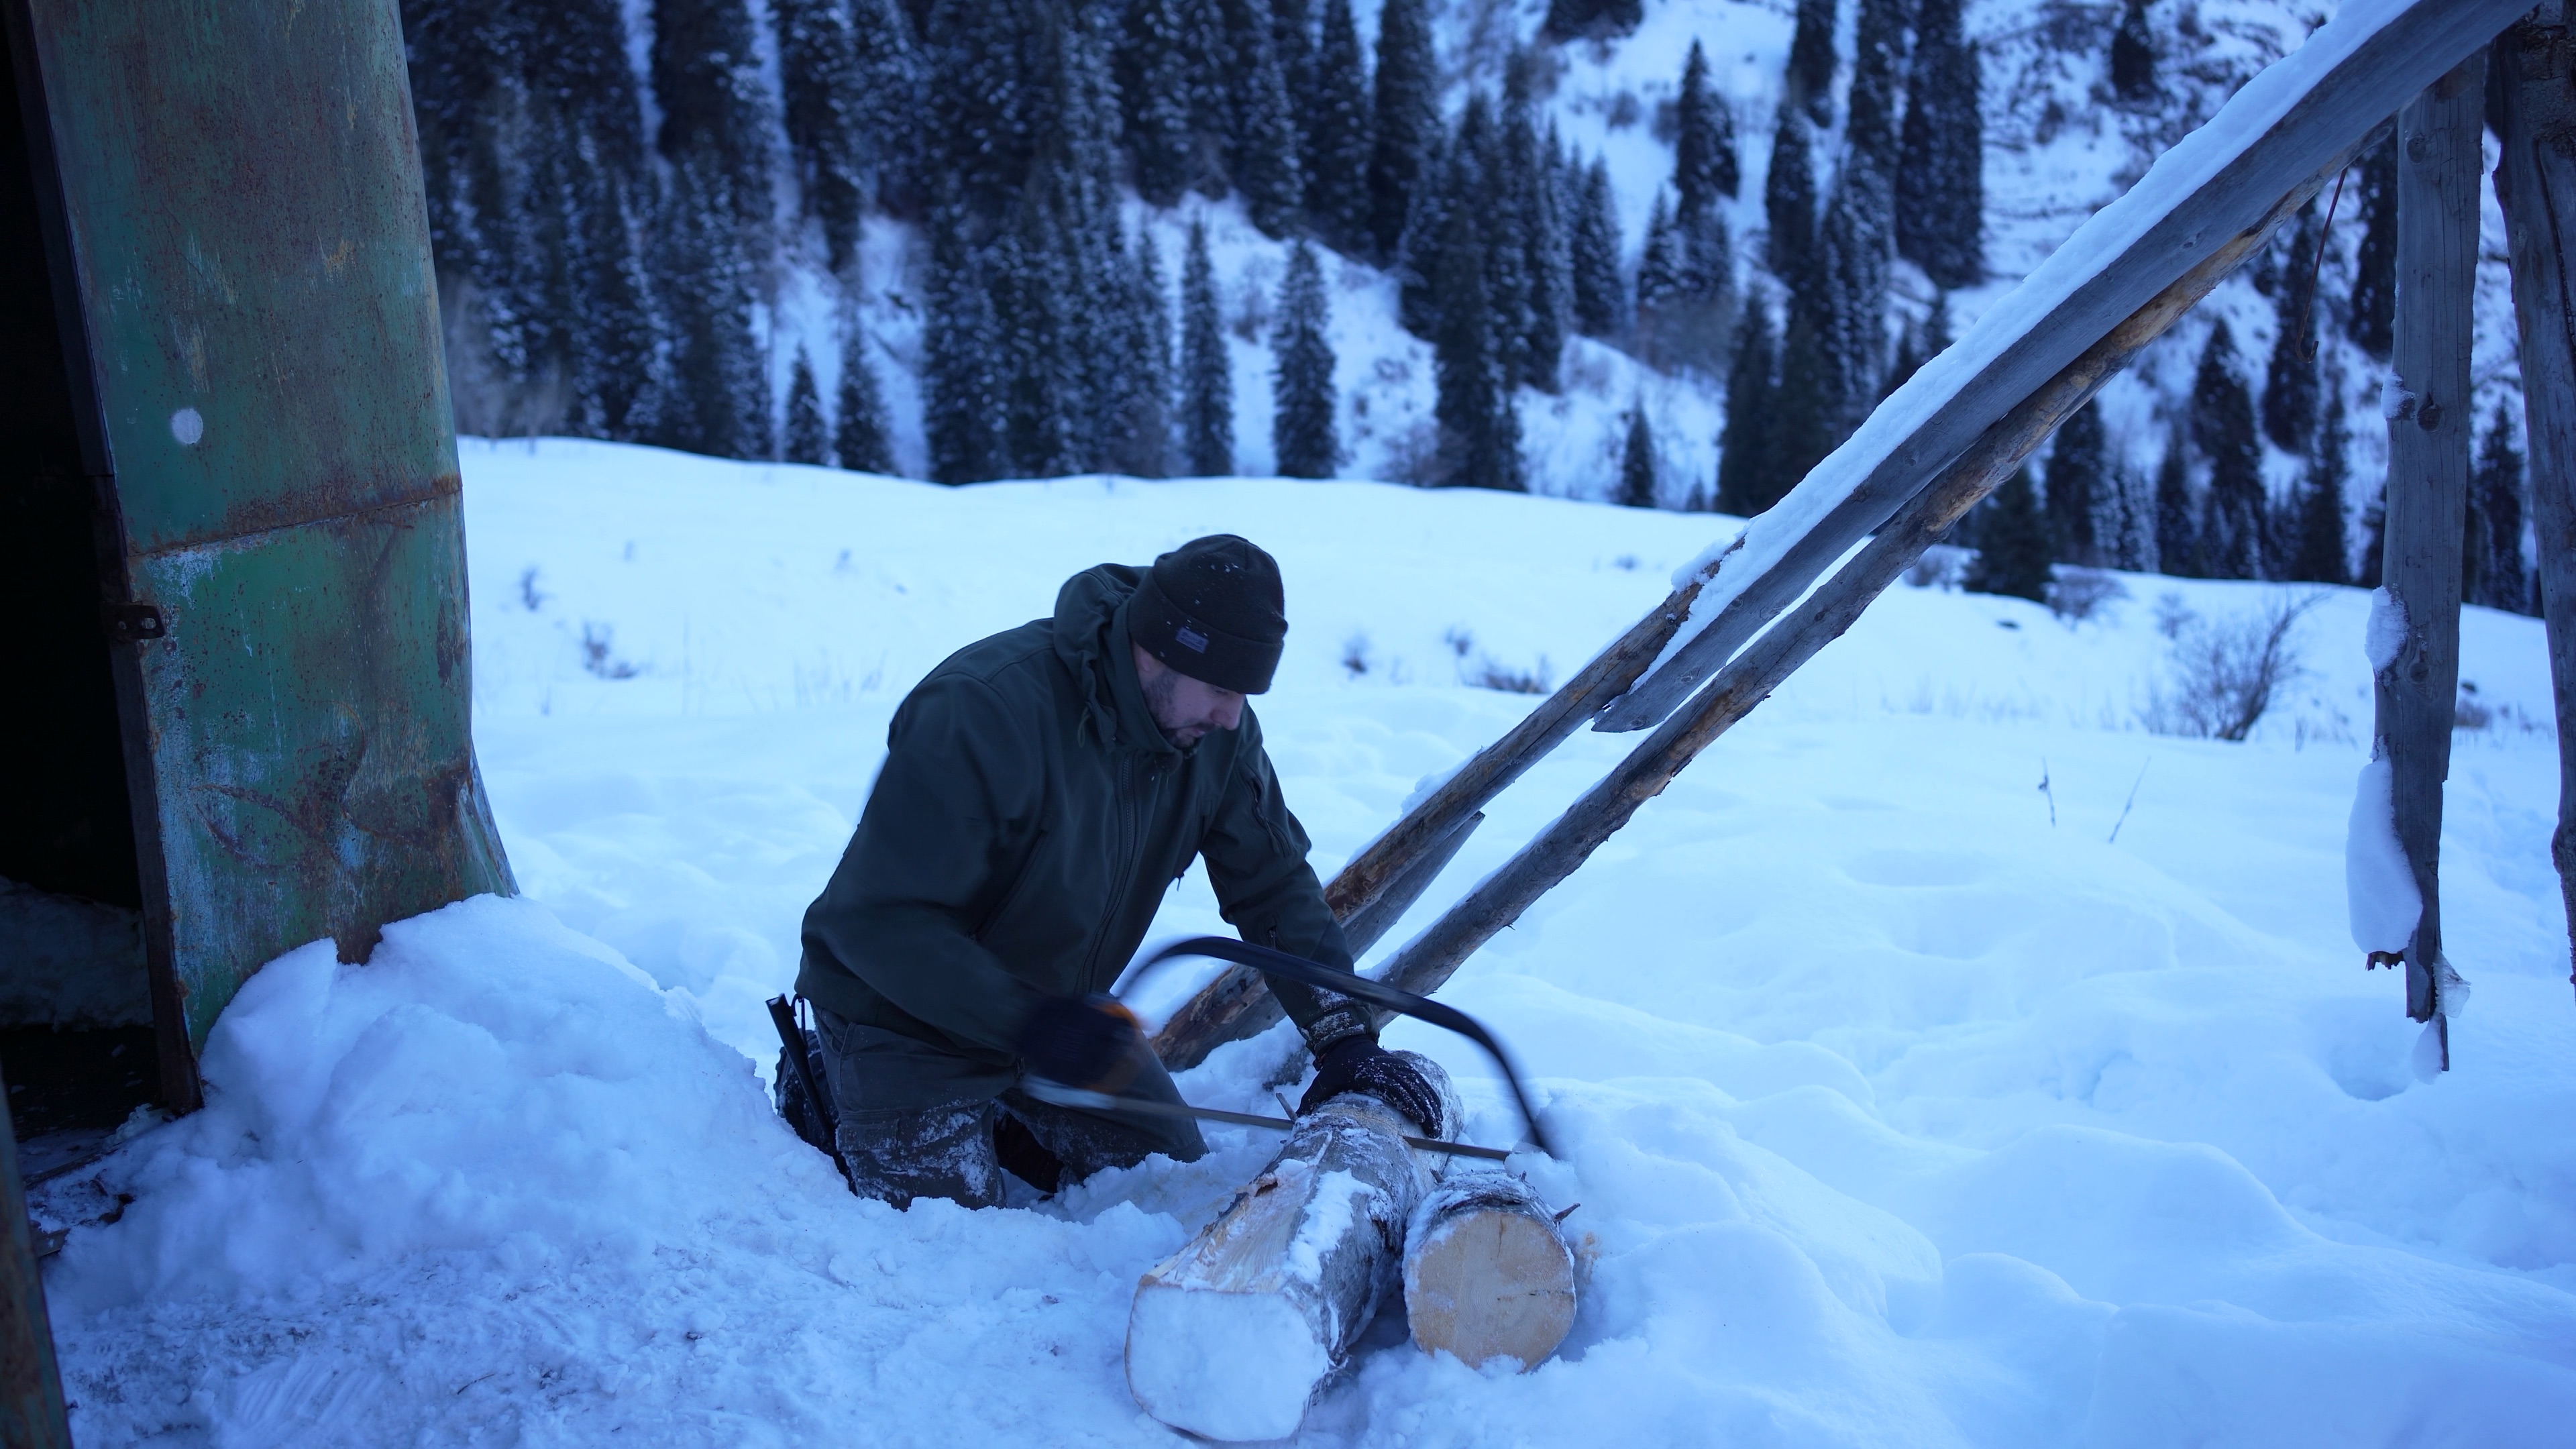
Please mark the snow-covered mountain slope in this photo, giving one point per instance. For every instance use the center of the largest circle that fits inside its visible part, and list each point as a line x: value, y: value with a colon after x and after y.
x: 1906, y: 1101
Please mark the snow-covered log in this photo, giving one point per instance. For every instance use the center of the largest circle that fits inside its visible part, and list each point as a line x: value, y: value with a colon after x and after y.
x: 1231, y: 1336
x: 1487, y: 1274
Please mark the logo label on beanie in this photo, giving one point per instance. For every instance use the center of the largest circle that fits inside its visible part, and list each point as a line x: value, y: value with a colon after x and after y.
x: 1196, y: 641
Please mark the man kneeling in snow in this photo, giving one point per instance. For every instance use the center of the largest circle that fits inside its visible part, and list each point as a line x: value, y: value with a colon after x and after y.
x: 1041, y: 790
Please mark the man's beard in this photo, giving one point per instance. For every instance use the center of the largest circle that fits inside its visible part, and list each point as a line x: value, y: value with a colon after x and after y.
x: 1161, y: 701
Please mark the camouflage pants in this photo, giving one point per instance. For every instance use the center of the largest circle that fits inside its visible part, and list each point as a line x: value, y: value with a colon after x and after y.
x: 918, y: 1122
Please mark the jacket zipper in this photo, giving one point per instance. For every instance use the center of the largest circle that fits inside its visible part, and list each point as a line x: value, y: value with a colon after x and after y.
x: 1121, y: 881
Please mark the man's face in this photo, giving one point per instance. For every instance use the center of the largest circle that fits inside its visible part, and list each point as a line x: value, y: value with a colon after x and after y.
x: 1185, y: 708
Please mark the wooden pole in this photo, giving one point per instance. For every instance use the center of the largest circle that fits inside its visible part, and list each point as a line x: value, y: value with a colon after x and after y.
x: 1400, y: 864
x: 2537, y: 184
x: 2430, y: 418
x: 31, y: 1387
x: 1748, y: 679
x: 2404, y: 55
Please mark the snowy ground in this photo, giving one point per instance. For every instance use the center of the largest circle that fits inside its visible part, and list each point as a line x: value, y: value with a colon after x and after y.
x: 1902, y: 1104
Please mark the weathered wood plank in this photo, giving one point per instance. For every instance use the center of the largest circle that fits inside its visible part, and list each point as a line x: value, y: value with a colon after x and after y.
x: 2408, y: 53
x: 2430, y: 419
x: 1498, y: 900
x: 2537, y: 184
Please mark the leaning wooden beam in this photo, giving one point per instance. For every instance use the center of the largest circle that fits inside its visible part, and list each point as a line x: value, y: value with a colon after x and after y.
x: 2198, y: 199
x: 2430, y: 416
x: 2537, y: 184
x: 1399, y: 864
x: 1498, y: 900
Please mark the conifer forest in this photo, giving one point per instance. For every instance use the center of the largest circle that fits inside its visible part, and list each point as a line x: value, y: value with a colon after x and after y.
x: 1664, y: 255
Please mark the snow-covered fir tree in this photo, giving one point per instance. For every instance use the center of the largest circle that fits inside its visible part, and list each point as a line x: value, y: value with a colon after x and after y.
x: 2078, y: 492
x: 2290, y: 379
x: 2492, y: 570
x: 1637, y: 460
x: 2318, y: 556
x: 805, y: 442
x: 1207, y: 376
x: 2222, y: 432
x: 1810, y: 85
x: 2133, y: 55
x: 1339, y: 135
x: 1748, y: 475
x: 1406, y: 115
x: 1593, y: 257
x: 2372, y: 317
x: 2012, y: 542
x: 2177, y: 531
x: 861, y: 439
x: 1940, y: 175
x: 1301, y: 382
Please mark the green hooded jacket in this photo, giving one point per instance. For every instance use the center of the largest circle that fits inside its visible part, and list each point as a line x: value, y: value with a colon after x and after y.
x: 1027, y: 822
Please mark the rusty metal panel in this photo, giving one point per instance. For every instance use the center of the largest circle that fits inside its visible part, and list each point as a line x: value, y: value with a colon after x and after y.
x: 241, y: 208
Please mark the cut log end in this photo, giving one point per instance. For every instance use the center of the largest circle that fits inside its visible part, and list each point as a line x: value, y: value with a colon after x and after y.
x: 1486, y: 1273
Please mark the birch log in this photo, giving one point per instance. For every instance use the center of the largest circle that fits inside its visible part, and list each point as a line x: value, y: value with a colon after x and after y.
x: 2537, y: 184
x: 1230, y: 1337
x: 2428, y: 406
x: 1487, y: 1275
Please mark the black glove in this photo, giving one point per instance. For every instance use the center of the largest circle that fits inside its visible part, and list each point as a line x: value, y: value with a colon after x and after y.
x: 1359, y: 1064
x: 1091, y: 1042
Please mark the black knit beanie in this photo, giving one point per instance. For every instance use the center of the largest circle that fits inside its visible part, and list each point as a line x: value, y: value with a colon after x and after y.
x: 1213, y: 610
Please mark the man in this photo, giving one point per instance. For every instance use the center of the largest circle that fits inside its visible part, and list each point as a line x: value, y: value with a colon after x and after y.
x: 1041, y: 791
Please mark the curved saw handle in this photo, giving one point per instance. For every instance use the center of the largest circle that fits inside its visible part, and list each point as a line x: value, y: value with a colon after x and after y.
x: 1361, y: 988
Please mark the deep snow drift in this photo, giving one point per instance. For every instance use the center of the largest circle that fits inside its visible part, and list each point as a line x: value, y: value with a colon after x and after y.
x: 1902, y: 1104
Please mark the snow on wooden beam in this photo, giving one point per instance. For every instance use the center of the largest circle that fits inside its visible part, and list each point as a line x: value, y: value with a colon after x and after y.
x: 2426, y: 399
x: 2537, y: 184
x: 2282, y: 127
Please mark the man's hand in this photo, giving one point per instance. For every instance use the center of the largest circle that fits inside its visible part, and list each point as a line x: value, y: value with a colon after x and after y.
x: 1091, y: 1042
x: 1359, y: 1064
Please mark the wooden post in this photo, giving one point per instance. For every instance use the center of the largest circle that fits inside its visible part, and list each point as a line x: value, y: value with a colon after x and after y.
x: 1748, y: 679
x: 31, y: 1387
x: 2537, y: 184
x: 2430, y: 418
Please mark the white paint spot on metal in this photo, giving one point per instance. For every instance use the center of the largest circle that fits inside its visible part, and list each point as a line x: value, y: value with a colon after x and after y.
x: 187, y: 425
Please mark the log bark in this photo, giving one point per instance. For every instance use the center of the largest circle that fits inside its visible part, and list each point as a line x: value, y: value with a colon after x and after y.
x: 1412, y: 851
x: 2537, y: 184
x: 2405, y: 55
x: 1747, y: 680
x: 1230, y: 1337
x: 2430, y: 419
x: 1487, y: 1274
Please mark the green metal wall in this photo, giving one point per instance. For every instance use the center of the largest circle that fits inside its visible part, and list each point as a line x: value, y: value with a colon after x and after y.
x: 240, y: 227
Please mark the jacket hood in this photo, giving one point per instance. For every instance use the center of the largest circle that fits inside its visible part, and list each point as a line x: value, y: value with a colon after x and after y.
x: 1091, y: 640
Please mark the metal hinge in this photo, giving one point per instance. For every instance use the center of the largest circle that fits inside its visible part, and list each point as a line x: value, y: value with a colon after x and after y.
x: 133, y: 623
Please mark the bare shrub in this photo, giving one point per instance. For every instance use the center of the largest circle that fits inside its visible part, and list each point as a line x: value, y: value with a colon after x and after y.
x: 529, y: 594
x: 2226, y: 672
x: 2471, y: 712
x: 598, y: 654
x: 1355, y: 654
x: 2077, y: 594
x: 1940, y: 567
x: 1489, y: 674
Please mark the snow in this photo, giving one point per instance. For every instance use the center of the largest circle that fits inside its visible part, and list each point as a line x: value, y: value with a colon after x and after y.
x: 2385, y: 637
x: 2386, y: 904
x: 1894, y: 1114
x: 1232, y: 1366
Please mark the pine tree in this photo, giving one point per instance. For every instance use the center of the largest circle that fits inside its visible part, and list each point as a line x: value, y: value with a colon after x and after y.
x: 2290, y: 381
x: 1417, y: 251
x: 1141, y: 441
x: 2318, y: 556
x: 1154, y: 89
x: 2373, y: 317
x: 886, y: 113
x: 1479, y: 426
x: 1637, y: 460
x: 1789, y: 203
x: 1550, y: 264
x: 1704, y: 165
x: 2493, y: 572
x: 1503, y: 231
x: 1810, y: 82
x: 1301, y: 427
x: 1805, y: 420
x: 2222, y: 429
x: 1660, y: 262
x: 1593, y: 256
x: 2078, y: 488
x: 2133, y: 55
x: 1878, y: 73
x: 1748, y: 474
x: 2012, y: 543
x: 861, y: 440
x: 961, y: 401
x: 706, y: 79
x: 720, y: 401
x: 2177, y: 535
x: 1266, y: 161
x: 805, y: 441
x: 1940, y: 177
x: 818, y: 80
x: 1576, y: 19
x: 1338, y: 134
x: 2374, y: 541
x: 615, y: 326
x: 1207, y: 375
x: 1407, y: 111
x: 1209, y: 77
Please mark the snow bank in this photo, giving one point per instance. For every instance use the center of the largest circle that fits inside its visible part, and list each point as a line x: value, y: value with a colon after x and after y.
x: 1894, y: 1114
